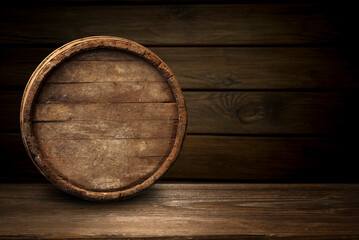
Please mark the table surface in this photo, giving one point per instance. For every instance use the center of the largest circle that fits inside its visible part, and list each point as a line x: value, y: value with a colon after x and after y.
x: 185, y: 211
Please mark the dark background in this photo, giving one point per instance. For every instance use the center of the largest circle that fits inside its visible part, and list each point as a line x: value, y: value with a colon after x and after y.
x: 271, y: 87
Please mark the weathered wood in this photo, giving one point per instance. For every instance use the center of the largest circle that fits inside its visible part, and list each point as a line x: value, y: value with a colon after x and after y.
x: 257, y: 68
x: 100, y: 129
x: 225, y: 112
x: 103, y: 65
x: 112, y: 149
x: 270, y: 112
x: 95, y: 130
x: 196, y: 211
x: 174, y: 24
x: 222, y: 68
x: 115, y: 93
x: 122, y: 172
x: 110, y: 111
x: 233, y: 158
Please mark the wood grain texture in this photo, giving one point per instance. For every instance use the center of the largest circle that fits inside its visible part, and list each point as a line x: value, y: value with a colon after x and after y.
x: 106, y: 112
x: 106, y: 92
x: 230, y: 158
x: 101, y: 131
x: 229, y: 112
x: 268, y: 112
x: 262, y: 67
x: 174, y: 24
x: 254, y: 45
x: 90, y: 123
x: 219, y: 67
x: 105, y: 66
x: 196, y: 211
x: 114, y: 149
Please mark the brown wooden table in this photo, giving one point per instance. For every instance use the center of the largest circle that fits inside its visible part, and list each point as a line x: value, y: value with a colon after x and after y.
x: 185, y: 211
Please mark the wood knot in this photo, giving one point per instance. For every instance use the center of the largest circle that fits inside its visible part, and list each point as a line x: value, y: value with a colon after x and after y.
x: 251, y: 113
x: 226, y: 81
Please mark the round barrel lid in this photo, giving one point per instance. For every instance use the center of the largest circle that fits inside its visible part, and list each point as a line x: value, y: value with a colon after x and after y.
x: 103, y: 118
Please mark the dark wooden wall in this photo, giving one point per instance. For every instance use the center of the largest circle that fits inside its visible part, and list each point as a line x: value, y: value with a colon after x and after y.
x: 271, y: 87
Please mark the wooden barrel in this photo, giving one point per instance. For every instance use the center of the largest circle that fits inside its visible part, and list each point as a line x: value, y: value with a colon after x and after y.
x: 103, y: 118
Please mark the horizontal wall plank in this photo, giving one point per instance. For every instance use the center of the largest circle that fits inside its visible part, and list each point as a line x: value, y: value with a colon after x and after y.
x: 185, y: 211
x: 152, y: 2
x: 223, y: 68
x: 266, y: 159
x: 262, y: 67
x: 270, y: 112
x: 173, y: 24
x: 243, y: 112
x: 295, y: 159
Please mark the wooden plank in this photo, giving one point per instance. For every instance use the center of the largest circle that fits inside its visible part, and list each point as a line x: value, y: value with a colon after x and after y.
x: 109, y: 92
x: 298, y: 23
x: 223, y: 68
x: 106, y: 129
x: 196, y: 211
x: 280, y: 159
x: 270, y: 112
x: 124, y: 172
x: 102, y: 148
x: 263, y: 159
x: 124, y: 111
x: 103, y: 66
x: 111, y: 55
x: 125, y: 162
x: 222, y: 112
x: 262, y: 67
x: 103, y: 71
x: 17, y: 64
